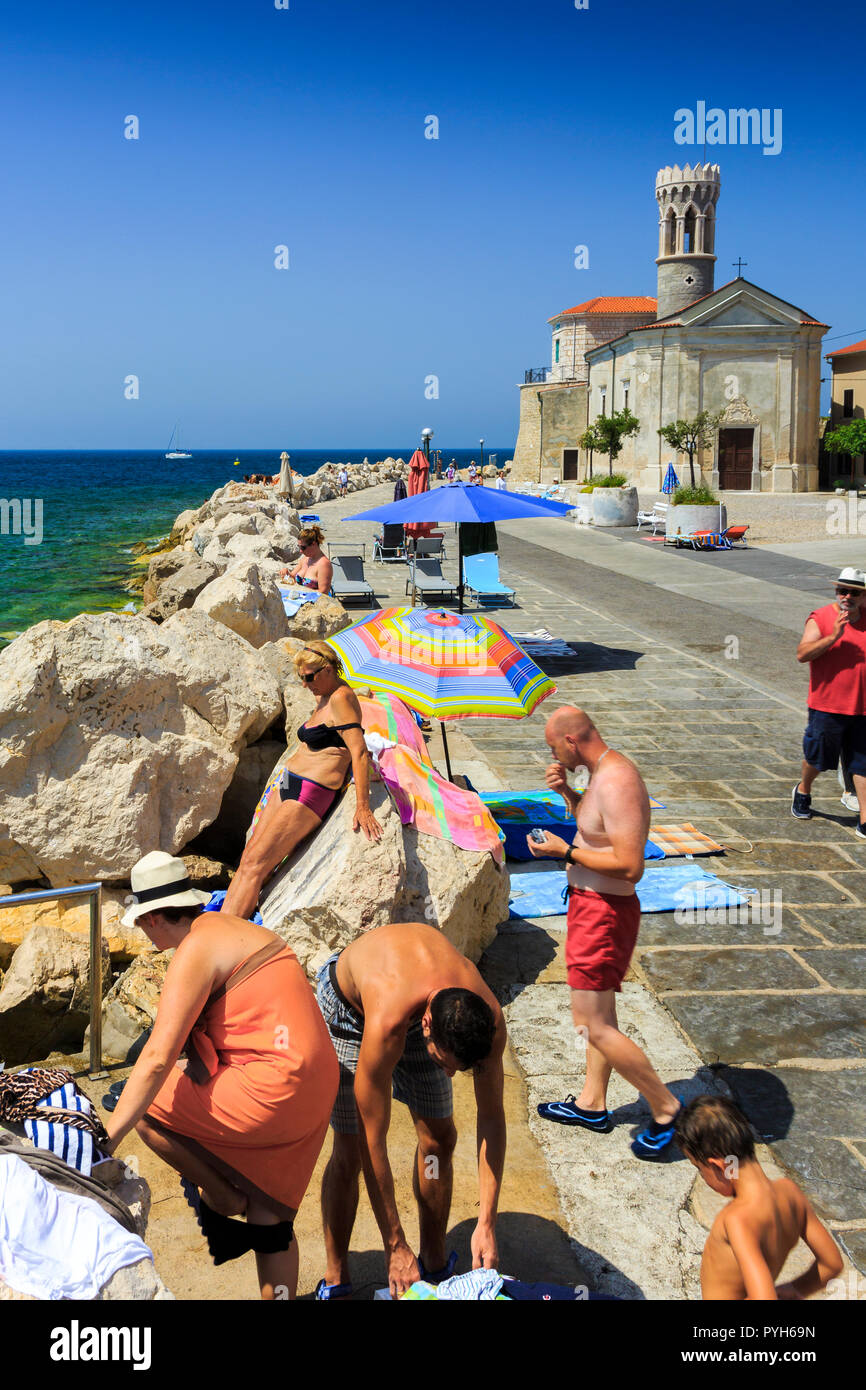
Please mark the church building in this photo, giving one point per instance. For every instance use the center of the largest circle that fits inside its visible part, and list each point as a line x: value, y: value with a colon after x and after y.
x: 739, y: 351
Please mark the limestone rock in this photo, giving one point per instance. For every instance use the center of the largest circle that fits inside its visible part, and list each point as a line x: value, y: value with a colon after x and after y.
x: 242, y: 601
x: 45, y: 998
x: 227, y: 835
x: 339, y: 884
x: 129, y: 1008
x: 118, y: 737
x: 72, y: 916
x: 318, y: 620
x: 162, y: 566
x: 180, y: 589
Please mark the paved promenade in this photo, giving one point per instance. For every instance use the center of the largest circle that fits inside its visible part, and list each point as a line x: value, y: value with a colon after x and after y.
x: 686, y: 662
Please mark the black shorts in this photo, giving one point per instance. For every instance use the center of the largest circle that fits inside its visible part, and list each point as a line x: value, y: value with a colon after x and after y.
x: 829, y: 736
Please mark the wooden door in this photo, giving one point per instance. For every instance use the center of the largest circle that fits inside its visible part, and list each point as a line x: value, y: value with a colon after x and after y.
x: 735, y: 459
x: 569, y: 465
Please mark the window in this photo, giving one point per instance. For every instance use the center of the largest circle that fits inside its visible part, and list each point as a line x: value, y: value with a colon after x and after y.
x: 556, y: 350
x: 603, y: 400
x: 848, y: 405
x: 625, y: 387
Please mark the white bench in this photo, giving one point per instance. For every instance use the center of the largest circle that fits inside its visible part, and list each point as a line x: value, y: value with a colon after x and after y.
x: 655, y: 518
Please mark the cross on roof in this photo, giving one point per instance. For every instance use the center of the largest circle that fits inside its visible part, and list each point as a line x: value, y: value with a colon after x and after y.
x: 739, y: 263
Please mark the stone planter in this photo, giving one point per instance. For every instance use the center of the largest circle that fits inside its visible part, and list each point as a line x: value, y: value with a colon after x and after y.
x: 614, y: 506
x: 683, y: 520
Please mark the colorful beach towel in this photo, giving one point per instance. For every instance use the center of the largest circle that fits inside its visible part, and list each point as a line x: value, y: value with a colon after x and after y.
x: 516, y: 813
x: 680, y: 886
x: 684, y: 839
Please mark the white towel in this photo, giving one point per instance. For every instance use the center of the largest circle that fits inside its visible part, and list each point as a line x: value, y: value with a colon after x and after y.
x: 376, y: 746
x: 54, y: 1244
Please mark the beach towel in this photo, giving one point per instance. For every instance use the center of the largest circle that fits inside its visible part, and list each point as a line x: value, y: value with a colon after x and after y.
x: 75, y: 1146
x: 679, y: 886
x: 516, y: 813
x: 294, y: 598
x: 684, y: 839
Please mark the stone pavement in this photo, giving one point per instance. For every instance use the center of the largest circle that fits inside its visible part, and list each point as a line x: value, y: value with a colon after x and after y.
x: 774, y: 1004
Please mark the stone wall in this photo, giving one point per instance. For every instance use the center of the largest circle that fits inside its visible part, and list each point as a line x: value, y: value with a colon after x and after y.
x: 544, y: 432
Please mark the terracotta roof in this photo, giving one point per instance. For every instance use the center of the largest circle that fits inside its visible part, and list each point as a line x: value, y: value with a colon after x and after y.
x: 840, y: 352
x: 612, y: 304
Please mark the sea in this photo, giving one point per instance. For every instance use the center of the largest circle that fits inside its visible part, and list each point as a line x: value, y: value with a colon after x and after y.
x: 69, y: 520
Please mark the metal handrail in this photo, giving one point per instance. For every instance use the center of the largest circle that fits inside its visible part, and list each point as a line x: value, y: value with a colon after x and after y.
x: 93, y: 891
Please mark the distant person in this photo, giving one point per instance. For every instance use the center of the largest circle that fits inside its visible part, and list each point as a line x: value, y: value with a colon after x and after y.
x: 834, y: 645
x: 604, y: 862
x: 406, y: 1011
x: 314, y: 570
x: 500, y: 482
x: 331, y: 745
x: 343, y: 480
x: 451, y: 471
x: 245, y: 1118
x: 473, y: 471
x: 755, y: 1233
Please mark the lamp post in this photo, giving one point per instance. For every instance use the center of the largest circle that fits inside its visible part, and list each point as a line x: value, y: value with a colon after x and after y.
x: 426, y: 436
x: 481, y: 442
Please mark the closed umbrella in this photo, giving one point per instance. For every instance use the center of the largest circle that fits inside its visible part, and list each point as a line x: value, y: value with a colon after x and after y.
x: 285, y: 486
x: 444, y: 665
x: 419, y: 481
x: 671, y: 482
x: 460, y: 502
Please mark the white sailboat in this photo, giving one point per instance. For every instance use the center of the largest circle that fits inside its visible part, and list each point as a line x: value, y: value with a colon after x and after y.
x: 176, y: 453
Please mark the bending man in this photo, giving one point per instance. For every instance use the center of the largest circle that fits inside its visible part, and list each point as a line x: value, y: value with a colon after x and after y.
x: 405, y: 1011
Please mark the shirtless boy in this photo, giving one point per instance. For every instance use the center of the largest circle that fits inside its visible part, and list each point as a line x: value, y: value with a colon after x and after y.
x: 753, y: 1235
x: 604, y: 862
x: 405, y: 1011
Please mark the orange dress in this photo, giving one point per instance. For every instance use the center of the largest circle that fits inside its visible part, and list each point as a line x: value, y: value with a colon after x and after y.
x: 255, y: 1099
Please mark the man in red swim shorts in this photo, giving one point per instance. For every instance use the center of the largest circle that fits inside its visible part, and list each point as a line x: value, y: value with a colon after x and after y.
x: 605, y: 861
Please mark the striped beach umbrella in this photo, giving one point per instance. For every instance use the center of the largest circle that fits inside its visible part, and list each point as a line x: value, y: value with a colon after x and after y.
x: 444, y: 665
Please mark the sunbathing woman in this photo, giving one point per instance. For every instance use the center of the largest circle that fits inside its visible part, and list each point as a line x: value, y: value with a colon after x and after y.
x: 314, y: 570
x: 330, y: 743
x: 244, y: 1119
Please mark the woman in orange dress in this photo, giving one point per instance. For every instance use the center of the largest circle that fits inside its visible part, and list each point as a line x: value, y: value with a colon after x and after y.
x: 245, y: 1118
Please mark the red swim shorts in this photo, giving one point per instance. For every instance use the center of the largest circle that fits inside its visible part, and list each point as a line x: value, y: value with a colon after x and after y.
x: 602, y: 931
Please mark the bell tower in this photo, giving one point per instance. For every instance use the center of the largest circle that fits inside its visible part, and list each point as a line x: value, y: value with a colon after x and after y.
x: 687, y: 233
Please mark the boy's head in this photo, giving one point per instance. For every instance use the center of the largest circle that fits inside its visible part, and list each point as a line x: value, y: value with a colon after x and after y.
x: 717, y: 1138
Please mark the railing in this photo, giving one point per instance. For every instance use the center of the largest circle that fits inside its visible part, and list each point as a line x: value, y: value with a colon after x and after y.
x: 93, y: 891
x: 535, y: 374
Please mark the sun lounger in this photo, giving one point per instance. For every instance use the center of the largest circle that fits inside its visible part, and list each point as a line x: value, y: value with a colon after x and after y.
x: 482, y: 582
x: 430, y: 545
x: 737, y: 535
x: 701, y: 540
x: 425, y: 578
x: 349, y: 582
x: 390, y: 545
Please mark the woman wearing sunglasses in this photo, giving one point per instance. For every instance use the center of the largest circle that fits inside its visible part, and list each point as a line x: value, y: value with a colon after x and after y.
x: 314, y: 570
x: 331, y: 743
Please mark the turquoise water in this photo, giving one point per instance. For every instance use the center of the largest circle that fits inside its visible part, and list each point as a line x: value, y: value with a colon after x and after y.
x: 97, y: 505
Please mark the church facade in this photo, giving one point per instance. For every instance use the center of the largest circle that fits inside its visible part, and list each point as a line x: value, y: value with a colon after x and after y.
x: 739, y: 352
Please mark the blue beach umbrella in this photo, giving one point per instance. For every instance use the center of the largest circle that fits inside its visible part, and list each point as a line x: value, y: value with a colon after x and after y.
x: 671, y: 480
x: 458, y: 502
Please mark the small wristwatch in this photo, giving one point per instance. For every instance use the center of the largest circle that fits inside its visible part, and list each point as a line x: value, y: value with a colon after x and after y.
x: 567, y: 857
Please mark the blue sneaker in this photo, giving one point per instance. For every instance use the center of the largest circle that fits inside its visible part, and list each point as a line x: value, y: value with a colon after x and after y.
x: 653, y: 1139
x: 566, y: 1112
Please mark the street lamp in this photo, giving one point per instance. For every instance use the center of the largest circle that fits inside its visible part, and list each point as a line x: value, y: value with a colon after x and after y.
x: 481, y: 442
x: 426, y: 436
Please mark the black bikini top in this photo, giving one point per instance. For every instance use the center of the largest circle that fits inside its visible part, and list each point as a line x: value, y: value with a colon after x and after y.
x: 319, y: 736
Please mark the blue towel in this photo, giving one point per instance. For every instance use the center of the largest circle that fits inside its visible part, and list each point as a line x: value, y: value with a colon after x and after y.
x: 294, y: 598
x: 74, y: 1146
x: 216, y: 900
x: 683, y: 886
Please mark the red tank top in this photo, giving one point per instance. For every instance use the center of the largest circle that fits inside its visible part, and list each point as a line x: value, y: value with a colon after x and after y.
x: 837, y: 680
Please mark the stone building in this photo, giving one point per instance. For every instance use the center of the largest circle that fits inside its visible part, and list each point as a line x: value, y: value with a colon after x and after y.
x: 738, y: 351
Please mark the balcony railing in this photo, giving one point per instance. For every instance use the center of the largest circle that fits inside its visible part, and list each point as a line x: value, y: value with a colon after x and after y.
x: 535, y: 374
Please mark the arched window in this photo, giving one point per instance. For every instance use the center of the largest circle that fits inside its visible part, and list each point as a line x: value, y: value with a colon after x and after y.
x: 689, y: 226
x: 670, y: 236
x: 709, y: 229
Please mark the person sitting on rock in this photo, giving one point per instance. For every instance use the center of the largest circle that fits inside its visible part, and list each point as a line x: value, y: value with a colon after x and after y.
x: 244, y: 1119
x: 312, y: 779
x: 314, y: 570
x: 406, y: 1011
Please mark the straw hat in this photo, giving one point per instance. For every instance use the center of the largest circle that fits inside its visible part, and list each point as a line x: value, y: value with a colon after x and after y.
x: 159, y: 880
x: 855, y: 579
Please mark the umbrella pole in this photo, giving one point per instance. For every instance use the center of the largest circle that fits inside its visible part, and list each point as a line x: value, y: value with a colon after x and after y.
x: 459, y: 584
x: 445, y: 746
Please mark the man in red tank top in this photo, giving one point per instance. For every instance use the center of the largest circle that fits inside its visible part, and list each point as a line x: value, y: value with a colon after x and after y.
x: 834, y: 644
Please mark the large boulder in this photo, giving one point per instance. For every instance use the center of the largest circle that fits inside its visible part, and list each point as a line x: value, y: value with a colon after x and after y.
x: 180, y: 589
x: 164, y: 564
x: 318, y: 620
x: 129, y: 1008
x: 339, y: 884
x: 45, y: 996
x: 72, y: 916
x: 118, y: 737
x: 245, y: 602
x: 226, y: 837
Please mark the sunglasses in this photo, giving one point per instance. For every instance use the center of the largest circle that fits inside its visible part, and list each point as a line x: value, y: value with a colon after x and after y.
x: 309, y: 676
x: 848, y: 593
x: 302, y: 545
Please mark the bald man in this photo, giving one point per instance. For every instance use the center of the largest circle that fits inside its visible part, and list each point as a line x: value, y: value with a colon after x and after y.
x: 604, y: 862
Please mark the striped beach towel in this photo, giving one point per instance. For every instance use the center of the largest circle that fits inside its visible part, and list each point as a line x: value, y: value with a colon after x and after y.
x: 69, y: 1142
x: 684, y: 839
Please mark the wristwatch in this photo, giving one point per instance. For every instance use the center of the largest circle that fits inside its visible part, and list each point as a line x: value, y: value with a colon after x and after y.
x: 567, y: 857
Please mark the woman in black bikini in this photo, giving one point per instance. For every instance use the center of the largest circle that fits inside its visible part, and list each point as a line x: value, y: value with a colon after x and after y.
x: 330, y: 743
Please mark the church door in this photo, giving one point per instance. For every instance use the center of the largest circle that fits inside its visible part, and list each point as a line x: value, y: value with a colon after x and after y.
x: 735, y: 458
x: 569, y: 465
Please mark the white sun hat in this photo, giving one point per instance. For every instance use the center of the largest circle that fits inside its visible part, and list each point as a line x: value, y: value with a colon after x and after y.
x: 855, y: 579
x: 159, y: 880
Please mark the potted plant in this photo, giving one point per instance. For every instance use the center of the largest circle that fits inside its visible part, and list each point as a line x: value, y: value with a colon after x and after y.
x: 695, y: 509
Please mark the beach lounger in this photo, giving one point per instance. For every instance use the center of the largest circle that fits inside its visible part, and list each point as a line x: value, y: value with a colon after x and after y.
x: 701, y: 540
x: 426, y: 579
x: 482, y: 582
x: 430, y: 545
x: 349, y: 582
x: 737, y: 536
x: 390, y: 545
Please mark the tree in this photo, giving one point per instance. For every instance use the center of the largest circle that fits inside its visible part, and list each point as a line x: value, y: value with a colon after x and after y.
x: 687, y: 436
x: 591, y: 440
x: 848, y: 439
x: 612, y: 430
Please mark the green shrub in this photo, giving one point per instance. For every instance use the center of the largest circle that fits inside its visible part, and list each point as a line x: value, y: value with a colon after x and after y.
x: 588, y: 487
x: 848, y: 483
x: 612, y: 480
x: 701, y: 496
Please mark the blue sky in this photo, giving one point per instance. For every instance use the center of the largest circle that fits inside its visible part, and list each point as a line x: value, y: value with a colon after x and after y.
x: 408, y: 257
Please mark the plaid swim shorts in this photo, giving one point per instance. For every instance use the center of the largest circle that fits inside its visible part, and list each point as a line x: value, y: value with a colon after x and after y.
x: 417, y: 1081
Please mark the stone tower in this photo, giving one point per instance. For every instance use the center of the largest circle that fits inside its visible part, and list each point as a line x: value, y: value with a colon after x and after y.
x: 687, y: 232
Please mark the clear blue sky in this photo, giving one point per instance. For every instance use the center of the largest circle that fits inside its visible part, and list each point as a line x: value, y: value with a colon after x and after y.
x: 409, y: 256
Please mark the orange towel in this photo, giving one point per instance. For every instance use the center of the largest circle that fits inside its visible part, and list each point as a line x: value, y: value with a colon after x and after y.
x: 257, y: 1095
